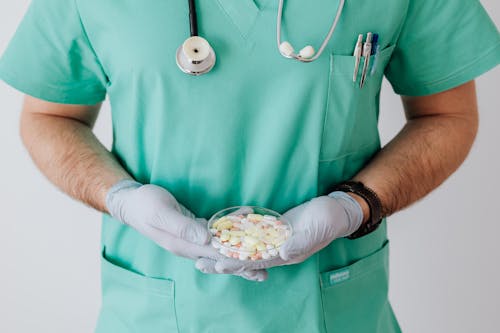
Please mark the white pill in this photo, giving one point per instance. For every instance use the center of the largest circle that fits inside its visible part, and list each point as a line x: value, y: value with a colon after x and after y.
x: 273, y: 252
x: 233, y: 218
x: 265, y: 255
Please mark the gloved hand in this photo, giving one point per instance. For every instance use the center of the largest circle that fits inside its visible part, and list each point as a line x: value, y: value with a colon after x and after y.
x: 155, y: 213
x: 315, y: 224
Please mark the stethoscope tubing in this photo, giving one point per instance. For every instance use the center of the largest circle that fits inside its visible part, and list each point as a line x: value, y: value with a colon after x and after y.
x: 193, y: 18
x: 325, y: 41
x: 191, y: 61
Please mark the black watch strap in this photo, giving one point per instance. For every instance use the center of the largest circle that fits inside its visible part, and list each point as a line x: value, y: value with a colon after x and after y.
x: 373, y: 201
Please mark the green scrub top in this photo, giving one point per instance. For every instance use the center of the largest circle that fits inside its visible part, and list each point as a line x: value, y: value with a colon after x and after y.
x: 258, y: 129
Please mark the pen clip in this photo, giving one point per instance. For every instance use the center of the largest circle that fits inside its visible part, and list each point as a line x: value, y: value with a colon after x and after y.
x: 367, y: 51
x: 358, y: 50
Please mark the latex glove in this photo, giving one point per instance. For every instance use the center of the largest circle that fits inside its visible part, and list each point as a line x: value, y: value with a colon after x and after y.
x: 315, y: 224
x: 155, y: 213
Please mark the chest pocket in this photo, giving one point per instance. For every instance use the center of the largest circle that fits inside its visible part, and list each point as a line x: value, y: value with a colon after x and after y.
x: 352, y: 112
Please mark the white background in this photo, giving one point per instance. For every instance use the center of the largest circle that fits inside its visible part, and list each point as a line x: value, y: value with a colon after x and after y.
x: 445, y: 253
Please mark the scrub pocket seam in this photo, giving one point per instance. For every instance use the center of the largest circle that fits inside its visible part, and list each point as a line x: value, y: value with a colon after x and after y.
x: 128, y: 297
x: 143, y: 282
x: 367, y: 267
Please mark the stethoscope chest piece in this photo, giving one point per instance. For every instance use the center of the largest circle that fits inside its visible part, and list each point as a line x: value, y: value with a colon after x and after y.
x: 195, y: 56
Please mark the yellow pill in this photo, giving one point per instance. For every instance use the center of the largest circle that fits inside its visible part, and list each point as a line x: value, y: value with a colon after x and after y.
x: 222, y: 219
x: 224, y: 225
x: 260, y: 246
x: 237, y: 233
x: 255, y: 217
x: 251, y: 241
x: 234, y: 240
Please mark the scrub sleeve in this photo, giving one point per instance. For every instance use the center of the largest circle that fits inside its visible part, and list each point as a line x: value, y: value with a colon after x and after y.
x: 50, y: 58
x: 273, y: 133
x: 443, y: 44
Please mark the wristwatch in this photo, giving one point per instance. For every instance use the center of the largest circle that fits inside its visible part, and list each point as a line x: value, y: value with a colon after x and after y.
x: 373, y: 202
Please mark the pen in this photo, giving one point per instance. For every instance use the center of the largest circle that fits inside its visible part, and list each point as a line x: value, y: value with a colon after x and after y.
x: 374, y: 43
x: 357, y: 54
x: 375, y: 52
x: 367, y: 51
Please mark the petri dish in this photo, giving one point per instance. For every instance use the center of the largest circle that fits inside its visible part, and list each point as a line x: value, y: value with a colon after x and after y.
x: 249, y: 232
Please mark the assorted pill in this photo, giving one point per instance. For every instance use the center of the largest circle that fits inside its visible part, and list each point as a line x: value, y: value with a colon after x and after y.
x: 249, y: 236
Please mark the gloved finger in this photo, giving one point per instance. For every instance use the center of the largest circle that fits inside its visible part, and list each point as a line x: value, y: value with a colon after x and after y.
x: 179, y: 246
x: 296, y: 246
x: 242, y: 210
x: 181, y: 226
x: 258, y: 275
x: 233, y: 266
x: 185, y: 211
x: 207, y: 266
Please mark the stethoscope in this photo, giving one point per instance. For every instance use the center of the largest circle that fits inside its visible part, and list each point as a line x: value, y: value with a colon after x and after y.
x: 196, y: 57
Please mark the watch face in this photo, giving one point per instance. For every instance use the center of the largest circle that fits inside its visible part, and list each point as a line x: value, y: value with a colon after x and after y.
x: 364, y: 230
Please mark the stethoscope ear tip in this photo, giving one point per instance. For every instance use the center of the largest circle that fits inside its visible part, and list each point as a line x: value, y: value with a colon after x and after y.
x: 286, y: 49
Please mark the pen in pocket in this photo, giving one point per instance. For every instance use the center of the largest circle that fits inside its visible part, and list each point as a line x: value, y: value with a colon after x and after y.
x: 357, y: 54
x: 376, y: 51
x: 367, y: 51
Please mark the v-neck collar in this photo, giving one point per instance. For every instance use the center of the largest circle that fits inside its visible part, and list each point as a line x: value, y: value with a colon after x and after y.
x: 242, y: 13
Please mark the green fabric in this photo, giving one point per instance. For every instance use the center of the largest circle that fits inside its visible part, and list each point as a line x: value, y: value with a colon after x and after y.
x: 443, y: 44
x: 257, y: 130
x: 50, y: 57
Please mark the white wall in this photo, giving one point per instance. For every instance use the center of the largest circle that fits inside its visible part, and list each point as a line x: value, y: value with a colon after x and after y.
x: 445, y: 254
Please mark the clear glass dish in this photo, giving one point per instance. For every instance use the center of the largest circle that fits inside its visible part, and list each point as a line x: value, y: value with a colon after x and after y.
x: 249, y: 232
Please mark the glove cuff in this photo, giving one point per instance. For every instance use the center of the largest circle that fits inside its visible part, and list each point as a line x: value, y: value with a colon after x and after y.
x: 123, y: 184
x: 353, y: 210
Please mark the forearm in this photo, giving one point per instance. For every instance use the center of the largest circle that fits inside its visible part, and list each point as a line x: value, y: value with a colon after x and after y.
x: 426, y: 152
x: 71, y: 157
